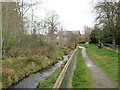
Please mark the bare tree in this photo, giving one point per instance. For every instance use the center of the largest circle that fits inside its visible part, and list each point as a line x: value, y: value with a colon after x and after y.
x: 52, y: 21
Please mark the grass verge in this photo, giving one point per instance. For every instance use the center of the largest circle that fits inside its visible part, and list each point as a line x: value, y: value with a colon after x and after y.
x: 83, y: 45
x: 50, y: 80
x: 82, y: 78
x: 105, y: 59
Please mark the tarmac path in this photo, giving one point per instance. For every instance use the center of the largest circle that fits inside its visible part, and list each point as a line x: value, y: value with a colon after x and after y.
x: 100, y: 80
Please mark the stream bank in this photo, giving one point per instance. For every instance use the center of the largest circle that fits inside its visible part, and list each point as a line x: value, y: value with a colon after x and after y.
x: 33, y: 79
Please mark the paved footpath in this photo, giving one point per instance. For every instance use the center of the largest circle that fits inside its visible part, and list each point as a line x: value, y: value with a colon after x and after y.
x: 100, y: 80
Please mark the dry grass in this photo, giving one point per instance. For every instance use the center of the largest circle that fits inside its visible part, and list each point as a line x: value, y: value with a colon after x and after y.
x: 10, y: 75
x: 16, y: 68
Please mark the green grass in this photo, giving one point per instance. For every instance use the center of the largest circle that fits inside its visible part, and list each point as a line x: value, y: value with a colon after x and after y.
x: 83, y: 45
x: 62, y: 51
x: 16, y: 68
x: 105, y: 59
x: 82, y: 78
x: 50, y: 80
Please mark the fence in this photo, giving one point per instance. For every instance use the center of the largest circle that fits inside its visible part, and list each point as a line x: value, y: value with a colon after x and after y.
x: 114, y: 47
x: 64, y: 80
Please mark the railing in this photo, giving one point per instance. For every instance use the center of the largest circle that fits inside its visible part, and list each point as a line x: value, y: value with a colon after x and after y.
x: 115, y: 47
x: 64, y: 79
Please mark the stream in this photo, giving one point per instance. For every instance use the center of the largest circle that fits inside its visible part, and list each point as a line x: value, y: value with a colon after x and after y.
x: 33, y: 80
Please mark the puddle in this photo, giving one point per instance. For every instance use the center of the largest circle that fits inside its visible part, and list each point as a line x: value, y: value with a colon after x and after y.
x: 84, y: 54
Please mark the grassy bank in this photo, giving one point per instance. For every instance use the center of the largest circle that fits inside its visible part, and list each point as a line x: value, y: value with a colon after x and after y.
x: 105, y: 59
x: 50, y: 80
x: 82, y: 78
x: 15, y: 69
x: 83, y: 45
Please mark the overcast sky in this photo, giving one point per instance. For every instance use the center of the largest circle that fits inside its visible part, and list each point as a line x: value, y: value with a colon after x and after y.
x: 74, y: 14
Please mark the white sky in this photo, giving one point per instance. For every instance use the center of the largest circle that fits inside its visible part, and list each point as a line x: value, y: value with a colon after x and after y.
x: 74, y: 14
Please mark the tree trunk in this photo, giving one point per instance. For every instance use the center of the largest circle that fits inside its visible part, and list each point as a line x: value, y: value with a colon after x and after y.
x: 0, y: 31
x: 113, y: 43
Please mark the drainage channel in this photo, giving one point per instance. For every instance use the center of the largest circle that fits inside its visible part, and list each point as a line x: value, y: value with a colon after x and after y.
x: 32, y: 80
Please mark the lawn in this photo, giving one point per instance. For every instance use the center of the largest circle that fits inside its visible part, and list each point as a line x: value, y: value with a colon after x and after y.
x: 105, y: 59
x: 82, y: 77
